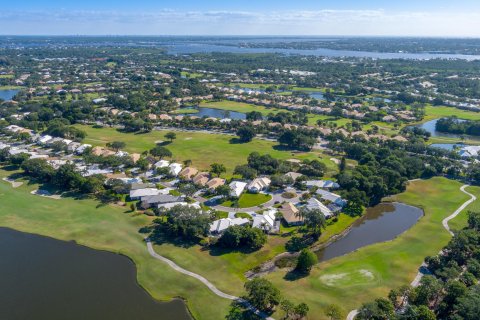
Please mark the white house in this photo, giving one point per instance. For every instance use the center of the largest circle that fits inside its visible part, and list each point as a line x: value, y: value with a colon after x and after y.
x: 332, y: 197
x: 469, y: 151
x: 175, y: 168
x: 314, y: 204
x: 259, y: 184
x: 237, y: 188
x: 82, y: 148
x: 219, y: 226
x: 44, y: 139
x: 265, y: 221
x: 140, y: 193
x: 162, y: 164
x: 324, y: 184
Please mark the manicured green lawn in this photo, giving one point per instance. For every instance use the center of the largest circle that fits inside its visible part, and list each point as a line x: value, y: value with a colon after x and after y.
x: 10, y: 87
x: 240, y: 107
x: 372, y: 271
x: 434, y: 112
x: 107, y: 228
x: 248, y: 200
x: 202, y: 148
x: 6, y: 76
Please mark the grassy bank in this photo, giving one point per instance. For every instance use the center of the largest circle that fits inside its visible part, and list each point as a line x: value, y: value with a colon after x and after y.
x: 372, y: 271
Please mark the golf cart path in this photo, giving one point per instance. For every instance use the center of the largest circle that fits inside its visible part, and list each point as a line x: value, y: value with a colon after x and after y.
x: 352, y: 314
x: 207, y: 283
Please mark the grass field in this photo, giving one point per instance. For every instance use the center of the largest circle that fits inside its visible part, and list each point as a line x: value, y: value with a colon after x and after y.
x: 106, y: 228
x: 372, y: 271
x: 6, y: 76
x: 202, y: 148
x: 248, y: 200
x: 240, y: 107
x: 433, y: 112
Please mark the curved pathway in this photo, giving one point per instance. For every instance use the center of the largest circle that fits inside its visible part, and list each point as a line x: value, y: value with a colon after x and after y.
x: 352, y: 314
x: 209, y: 285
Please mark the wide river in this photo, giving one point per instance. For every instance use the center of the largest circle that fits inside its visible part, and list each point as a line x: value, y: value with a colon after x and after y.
x: 381, y: 223
x: 47, y: 279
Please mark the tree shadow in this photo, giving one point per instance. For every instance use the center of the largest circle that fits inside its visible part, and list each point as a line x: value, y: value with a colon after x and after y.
x: 295, y: 275
x: 216, y: 250
x: 237, y: 141
x: 10, y: 167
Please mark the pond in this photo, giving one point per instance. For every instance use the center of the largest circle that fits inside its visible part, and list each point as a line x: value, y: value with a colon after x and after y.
x: 316, y: 95
x: 430, y: 127
x: 47, y: 279
x: 215, y: 113
x: 7, y: 95
x: 447, y: 146
x: 381, y: 223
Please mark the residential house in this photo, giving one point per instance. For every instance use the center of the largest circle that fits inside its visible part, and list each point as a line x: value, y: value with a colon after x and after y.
x: 237, y: 188
x: 314, y: 204
x: 188, y: 173
x: 293, y: 175
x: 175, y: 168
x: 266, y: 221
x: 324, y: 184
x: 215, y: 183
x: 289, y: 213
x: 201, y: 178
x: 137, y: 194
x: 219, y: 226
x: 160, y: 200
x: 136, y: 186
x: 259, y: 184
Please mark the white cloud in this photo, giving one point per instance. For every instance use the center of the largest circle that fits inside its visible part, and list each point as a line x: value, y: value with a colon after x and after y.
x: 299, y: 22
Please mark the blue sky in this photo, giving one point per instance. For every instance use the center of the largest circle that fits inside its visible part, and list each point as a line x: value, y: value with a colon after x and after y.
x: 223, y: 17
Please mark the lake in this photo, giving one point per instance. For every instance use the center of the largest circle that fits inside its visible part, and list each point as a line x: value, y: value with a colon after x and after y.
x: 381, y: 223
x: 8, y: 94
x: 184, y: 47
x: 430, y: 127
x: 215, y: 113
x: 46, y: 279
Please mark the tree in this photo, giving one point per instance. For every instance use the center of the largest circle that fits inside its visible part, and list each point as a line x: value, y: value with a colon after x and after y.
x: 262, y: 294
x: 314, y: 220
x: 187, y: 189
x: 380, y: 309
x: 254, y: 116
x: 170, y: 136
x: 306, y: 260
x: 160, y: 152
x: 38, y: 168
x: 242, y: 237
x: 353, y: 209
x: 223, y: 191
x: 19, y: 158
x: 187, y: 222
x: 246, y: 172
x: 66, y: 177
x: 217, y: 169
x: 334, y: 312
x: 116, y: 145
x: 343, y: 164
x: 246, y: 133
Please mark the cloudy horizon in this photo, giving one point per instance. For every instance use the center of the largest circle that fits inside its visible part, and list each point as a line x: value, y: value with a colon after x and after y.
x: 190, y: 20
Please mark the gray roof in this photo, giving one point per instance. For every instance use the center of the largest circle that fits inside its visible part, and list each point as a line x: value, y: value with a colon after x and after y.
x: 136, y: 186
x: 162, y: 198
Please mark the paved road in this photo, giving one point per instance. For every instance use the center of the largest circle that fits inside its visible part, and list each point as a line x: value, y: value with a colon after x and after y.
x: 463, y: 206
x: 210, y: 286
x: 420, y: 274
